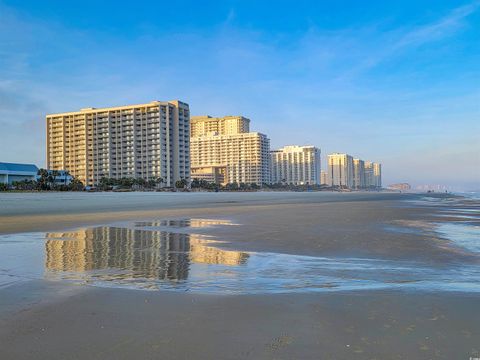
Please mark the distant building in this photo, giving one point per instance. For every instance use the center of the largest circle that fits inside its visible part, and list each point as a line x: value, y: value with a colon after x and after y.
x: 400, y: 187
x: 324, y: 178
x: 369, y: 180
x: 358, y: 174
x: 377, y: 175
x: 296, y: 165
x: 432, y: 187
x: 11, y: 172
x: 224, y: 150
x: 373, y: 175
x: 340, y: 170
x: 147, y: 141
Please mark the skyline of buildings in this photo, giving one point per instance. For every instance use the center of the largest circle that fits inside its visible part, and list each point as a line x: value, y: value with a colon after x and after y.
x: 159, y: 140
x: 346, y: 172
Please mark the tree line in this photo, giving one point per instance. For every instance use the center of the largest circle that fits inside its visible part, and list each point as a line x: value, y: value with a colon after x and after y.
x: 45, y: 181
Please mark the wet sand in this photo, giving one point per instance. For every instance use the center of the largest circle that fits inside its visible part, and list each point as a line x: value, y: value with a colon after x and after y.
x: 20, y: 212
x: 122, y: 324
x: 56, y: 320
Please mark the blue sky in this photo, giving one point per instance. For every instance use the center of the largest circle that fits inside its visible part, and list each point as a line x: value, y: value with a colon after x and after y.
x: 394, y: 82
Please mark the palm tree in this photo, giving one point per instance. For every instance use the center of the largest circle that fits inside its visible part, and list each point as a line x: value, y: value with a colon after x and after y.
x: 159, y: 181
x: 181, y: 184
x: 76, y: 184
x: 52, y: 176
x: 42, y: 181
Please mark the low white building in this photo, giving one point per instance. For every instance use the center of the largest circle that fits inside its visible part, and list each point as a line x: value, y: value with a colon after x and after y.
x: 11, y: 172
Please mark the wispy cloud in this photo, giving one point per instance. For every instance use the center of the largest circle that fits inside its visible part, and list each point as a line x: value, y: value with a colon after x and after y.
x: 394, y: 42
x: 439, y: 29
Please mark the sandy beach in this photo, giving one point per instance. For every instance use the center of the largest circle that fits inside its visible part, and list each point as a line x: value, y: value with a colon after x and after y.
x: 402, y: 298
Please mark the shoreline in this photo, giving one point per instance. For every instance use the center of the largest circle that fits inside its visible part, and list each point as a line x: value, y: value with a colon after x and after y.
x: 19, y: 214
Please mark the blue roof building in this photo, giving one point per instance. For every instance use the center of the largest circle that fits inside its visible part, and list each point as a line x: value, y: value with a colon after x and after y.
x: 10, y: 172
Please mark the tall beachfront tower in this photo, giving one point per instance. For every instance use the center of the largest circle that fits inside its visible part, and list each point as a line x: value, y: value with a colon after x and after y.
x: 377, y: 175
x: 324, y: 177
x: 373, y: 175
x: 147, y: 141
x: 224, y: 151
x: 340, y: 170
x: 358, y: 174
x: 296, y: 165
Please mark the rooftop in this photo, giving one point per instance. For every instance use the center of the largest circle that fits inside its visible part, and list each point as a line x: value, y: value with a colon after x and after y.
x: 117, y: 108
x: 13, y: 167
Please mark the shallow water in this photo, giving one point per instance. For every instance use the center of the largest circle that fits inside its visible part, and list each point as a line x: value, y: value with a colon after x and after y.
x: 158, y: 255
x: 462, y: 234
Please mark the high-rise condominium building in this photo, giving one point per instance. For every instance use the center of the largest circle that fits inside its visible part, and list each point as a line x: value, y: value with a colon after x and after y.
x: 228, y: 125
x: 297, y: 165
x: 373, y: 175
x: 324, y: 178
x: 377, y: 174
x: 147, y: 141
x: 340, y: 170
x: 223, y: 150
x: 358, y: 174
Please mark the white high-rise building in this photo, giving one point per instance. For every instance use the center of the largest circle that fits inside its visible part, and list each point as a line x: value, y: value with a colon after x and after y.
x: 358, y: 174
x: 324, y: 178
x: 369, y: 182
x: 373, y: 175
x: 340, y: 170
x: 147, y: 141
x: 223, y: 151
x: 296, y: 165
x: 377, y: 174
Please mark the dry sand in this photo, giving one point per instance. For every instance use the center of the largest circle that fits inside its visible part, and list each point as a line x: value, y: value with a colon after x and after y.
x: 54, y: 320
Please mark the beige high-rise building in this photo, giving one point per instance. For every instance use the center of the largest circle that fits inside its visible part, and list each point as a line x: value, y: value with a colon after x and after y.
x: 296, y: 165
x: 373, y: 175
x: 377, y: 174
x: 340, y: 170
x: 147, y: 141
x: 369, y: 181
x: 222, y: 149
x: 358, y: 174
x: 324, y: 178
x: 228, y: 125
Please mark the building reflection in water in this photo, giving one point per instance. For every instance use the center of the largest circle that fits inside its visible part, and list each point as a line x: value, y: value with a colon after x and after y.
x: 178, y: 223
x: 113, y: 253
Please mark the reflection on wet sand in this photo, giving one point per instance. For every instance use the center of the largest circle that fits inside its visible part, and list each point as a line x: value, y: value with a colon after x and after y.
x: 179, y: 223
x: 113, y: 253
